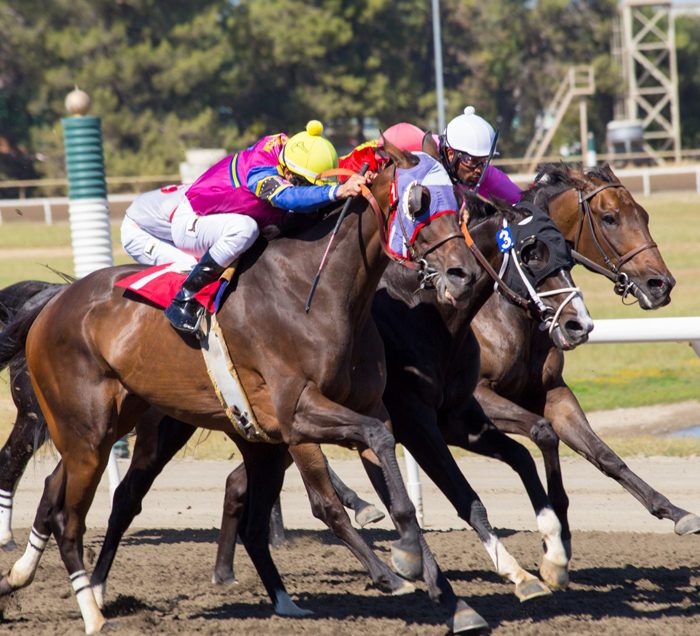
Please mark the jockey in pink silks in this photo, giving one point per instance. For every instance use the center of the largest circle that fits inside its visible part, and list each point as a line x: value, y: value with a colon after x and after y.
x: 216, y: 219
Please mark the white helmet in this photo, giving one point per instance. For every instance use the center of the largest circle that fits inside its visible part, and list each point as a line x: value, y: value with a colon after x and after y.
x: 470, y: 133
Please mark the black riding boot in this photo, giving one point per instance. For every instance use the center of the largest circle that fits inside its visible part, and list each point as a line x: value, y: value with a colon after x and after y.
x: 184, y: 311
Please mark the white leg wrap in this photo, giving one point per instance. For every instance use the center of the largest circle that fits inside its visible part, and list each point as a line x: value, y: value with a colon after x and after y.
x: 550, y: 528
x: 92, y: 616
x: 5, y: 517
x: 505, y: 563
x: 22, y: 572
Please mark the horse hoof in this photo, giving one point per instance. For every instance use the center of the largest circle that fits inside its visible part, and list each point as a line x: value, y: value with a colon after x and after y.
x: 465, y: 619
x: 533, y: 588
x: 407, y: 564
x: 5, y: 587
x: 224, y: 579
x: 8, y: 545
x: 690, y: 524
x: 406, y: 587
x: 285, y: 606
x: 368, y: 514
x: 555, y: 576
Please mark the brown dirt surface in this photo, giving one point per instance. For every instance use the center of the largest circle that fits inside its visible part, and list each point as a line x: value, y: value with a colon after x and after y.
x: 622, y: 583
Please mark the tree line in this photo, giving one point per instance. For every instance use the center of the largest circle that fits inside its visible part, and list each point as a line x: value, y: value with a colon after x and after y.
x: 165, y: 76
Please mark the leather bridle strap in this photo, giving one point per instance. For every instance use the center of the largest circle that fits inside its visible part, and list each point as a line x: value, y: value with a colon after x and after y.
x: 585, y: 211
x: 505, y: 290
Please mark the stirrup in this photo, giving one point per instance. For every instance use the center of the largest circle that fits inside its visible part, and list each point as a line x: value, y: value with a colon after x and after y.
x: 182, y: 318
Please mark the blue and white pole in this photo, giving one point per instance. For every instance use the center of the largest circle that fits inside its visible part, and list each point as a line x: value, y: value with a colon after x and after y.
x: 88, y: 209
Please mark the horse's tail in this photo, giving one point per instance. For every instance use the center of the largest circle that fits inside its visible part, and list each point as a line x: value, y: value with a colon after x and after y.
x: 14, y: 336
x: 15, y: 296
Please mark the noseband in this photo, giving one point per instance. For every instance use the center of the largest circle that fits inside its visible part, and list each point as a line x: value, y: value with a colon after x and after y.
x: 548, y: 317
x: 623, y: 285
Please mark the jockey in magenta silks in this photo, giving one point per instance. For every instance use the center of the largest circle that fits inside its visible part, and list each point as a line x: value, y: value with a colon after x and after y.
x: 219, y: 216
x: 464, y: 147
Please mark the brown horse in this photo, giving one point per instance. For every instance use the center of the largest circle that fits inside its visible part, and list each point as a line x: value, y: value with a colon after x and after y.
x: 99, y: 361
x: 521, y: 388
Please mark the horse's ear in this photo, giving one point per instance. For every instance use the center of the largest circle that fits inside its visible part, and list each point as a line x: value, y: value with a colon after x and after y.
x: 607, y: 170
x: 401, y: 158
x: 429, y: 146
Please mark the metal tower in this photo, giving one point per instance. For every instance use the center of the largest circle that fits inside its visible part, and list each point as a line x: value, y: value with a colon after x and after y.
x: 651, y: 76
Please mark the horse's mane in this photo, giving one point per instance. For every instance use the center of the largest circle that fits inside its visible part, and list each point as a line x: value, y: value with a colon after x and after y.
x: 481, y: 209
x: 554, y: 178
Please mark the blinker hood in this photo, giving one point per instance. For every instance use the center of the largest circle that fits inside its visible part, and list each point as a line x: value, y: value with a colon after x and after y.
x: 524, y: 234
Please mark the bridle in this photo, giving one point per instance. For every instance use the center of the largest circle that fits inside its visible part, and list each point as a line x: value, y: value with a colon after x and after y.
x: 416, y: 261
x: 548, y: 317
x: 623, y: 286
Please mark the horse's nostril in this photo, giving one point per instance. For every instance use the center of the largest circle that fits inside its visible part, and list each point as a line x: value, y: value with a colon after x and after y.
x: 574, y: 327
x: 456, y: 272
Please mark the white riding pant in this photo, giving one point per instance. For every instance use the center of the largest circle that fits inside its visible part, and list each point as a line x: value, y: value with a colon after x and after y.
x: 145, y: 232
x: 226, y: 236
x: 149, y: 250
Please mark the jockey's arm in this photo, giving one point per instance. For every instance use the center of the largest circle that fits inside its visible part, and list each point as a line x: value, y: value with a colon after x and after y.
x: 266, y: 183
x: 498, y: 184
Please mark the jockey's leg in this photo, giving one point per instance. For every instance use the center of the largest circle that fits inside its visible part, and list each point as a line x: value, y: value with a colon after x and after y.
x: 221, y: 238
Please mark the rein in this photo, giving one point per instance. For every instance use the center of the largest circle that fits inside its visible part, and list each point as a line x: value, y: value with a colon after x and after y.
x: 623, y: 286
x: 417, y: 261
x: 514, y: 297
x: 547, y: 316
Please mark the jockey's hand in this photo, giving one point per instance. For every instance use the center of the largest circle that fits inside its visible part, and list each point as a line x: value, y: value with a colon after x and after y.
x: 351, y: 187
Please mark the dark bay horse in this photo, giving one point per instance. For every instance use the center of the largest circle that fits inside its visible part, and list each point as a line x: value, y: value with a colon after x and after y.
x: 522, y: 388
x: 99, y: 362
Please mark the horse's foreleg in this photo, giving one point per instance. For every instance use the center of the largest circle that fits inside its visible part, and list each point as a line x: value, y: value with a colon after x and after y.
x: 571, y: 425
x: 265, y: 465
x: 365, y: 512
x: 234, y: 503
x: 158, y: 439
x: 417, y: 430
x: 479, y: 435
x: 327, y: 507
x: 320, y: 420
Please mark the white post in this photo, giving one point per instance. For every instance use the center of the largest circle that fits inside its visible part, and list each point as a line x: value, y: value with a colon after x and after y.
x: 413, y: 485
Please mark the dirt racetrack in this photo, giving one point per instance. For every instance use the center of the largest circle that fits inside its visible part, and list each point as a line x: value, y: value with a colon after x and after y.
x: 630, y: 573
x: 622, y: 583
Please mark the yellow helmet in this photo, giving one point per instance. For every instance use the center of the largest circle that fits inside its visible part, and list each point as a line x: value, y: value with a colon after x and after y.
x: 307, y: 153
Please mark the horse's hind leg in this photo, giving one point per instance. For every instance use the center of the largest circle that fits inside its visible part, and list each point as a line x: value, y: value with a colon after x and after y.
x: 22, y: 572
x: 28, y: 433
x: 158, y: 439
x: 265, y: 465
x: 365, y: 512
x: 326, y: 506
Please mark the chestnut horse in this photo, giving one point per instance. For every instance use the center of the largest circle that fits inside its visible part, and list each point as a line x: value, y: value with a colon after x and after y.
x: 522, y: 388
x: 99, y: 361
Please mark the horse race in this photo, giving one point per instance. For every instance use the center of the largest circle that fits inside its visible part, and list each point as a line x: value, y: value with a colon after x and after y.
x: 337, y: 317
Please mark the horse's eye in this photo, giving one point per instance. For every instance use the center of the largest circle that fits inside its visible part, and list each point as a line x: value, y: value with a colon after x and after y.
x: 530, y: 255
x: 609, y: 219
